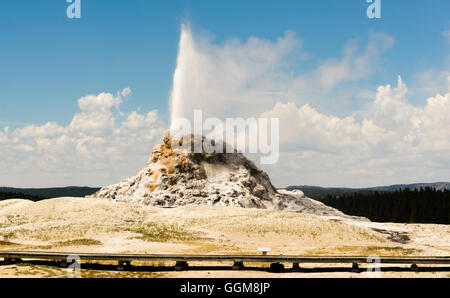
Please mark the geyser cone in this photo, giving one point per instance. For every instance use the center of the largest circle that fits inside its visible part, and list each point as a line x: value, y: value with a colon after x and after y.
x: 174, y: 176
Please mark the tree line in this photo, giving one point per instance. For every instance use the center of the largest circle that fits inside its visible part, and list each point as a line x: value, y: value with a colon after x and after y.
x: 424, y: 205
x: 15, y: 195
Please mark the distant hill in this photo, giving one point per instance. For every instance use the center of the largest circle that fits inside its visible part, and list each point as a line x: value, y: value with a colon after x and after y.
x: 48, y: 193
x: 319, y: 193
x: 436, y: 185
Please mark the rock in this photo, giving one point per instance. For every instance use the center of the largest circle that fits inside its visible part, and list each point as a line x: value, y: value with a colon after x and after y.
x: 259, y: 191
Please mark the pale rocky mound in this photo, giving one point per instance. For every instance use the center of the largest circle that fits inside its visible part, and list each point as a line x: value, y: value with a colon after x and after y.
x: 176, y: 177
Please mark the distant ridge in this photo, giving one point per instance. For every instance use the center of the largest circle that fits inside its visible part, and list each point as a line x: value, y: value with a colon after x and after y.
x: 318, y: 193
x: 56, y: 192
x: 436, y: 185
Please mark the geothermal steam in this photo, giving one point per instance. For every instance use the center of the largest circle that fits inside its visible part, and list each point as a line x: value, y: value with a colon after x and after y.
x: 186, y: 58
x: 231, y: 79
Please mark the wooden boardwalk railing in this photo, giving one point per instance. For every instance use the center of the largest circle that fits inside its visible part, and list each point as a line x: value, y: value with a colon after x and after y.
x: 238, y: 260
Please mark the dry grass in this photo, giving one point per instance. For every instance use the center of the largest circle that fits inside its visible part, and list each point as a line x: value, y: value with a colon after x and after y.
x: 70, y: 243
x: 79, y: 242
x: 44, y: 271
x: 50, y: 233
x: 165, y: 232
x: 365, y: 251
x: 267, y: 224
x: 7, y: 243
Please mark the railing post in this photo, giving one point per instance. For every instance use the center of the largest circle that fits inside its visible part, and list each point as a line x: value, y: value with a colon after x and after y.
x: 181, y: 265
x: 355, y: 268
x: 123, y: 264
x: 63, y: 264
x: 276, y: 267
x: 238, y: 265
x: 10, y: 261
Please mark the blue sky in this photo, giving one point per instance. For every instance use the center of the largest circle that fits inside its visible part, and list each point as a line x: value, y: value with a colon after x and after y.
x: 349, y: 119
x: 48, y: 61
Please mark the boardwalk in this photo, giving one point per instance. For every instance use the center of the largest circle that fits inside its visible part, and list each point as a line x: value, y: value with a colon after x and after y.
x: 181, y: 261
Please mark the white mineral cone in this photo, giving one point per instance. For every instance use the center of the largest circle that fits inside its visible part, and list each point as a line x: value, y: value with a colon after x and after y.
x: 174, y: 176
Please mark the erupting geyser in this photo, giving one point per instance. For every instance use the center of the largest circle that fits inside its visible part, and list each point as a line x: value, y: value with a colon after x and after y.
x: 175, y: 175
x: 186, y: 79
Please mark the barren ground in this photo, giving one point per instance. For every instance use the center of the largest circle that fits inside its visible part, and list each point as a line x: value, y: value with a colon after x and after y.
x: 89, y: 225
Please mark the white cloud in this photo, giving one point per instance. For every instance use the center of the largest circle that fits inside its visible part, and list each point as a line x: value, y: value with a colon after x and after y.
x: 98, y: 147
x: 101, y: 102
x: 353, y: 67
x: 396, y: 142
x: 126, y: 91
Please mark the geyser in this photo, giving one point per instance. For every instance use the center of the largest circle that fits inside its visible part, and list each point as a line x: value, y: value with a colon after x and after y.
x: 185, y: 60
x: 175, y: 175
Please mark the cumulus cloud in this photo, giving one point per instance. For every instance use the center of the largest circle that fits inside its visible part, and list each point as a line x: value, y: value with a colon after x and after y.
x: 395, y: 142
x: 98, y: 147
